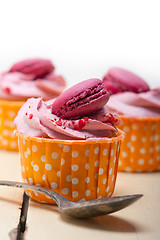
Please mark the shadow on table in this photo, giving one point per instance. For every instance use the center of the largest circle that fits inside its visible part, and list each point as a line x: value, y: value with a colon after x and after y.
x: 18, y: 202
x: 106, y: 223
x: 49, y: 207
x: 32, y: 203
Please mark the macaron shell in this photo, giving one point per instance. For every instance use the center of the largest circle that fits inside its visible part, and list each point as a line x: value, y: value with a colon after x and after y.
x: 77, y: 92
x: 88, y: 108
x: 125, y: 81
x: 37, y: 66
x: 74, y: 91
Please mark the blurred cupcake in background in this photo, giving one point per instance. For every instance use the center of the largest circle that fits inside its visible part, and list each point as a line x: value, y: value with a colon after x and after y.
x: 27, y: 78
x: 138, y: 106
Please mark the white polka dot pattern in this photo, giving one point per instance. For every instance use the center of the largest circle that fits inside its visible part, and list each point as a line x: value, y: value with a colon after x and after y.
x: 8, y: 111
x: 104, y: 180
x: 75, y: 194
x: 69, y: 178
x: 28, y: 151
x: 107, y: 189
x: 87, y: 192
x: 75, y: 167
x: 66, y: 149
x: 126, y: 129
x: 87, y: 166
x: 65, y: 191
x: 54, y: 185
x: 96, y: 163
x: 105, y: 152
x: 74, y: 154
x: 124, y: 154
x: 141, y: 161
x: 35, y: 167
x: 62, y: 161
x: 75, y: 181
x: 77, y: 172
x: 30, y: 181
x: 141, y: 145
x: 54, y: 155
x: 96, y: 150
x: 87, y: 180
x: 87, y: 152
x: 48, y: 167
x: 101, y: 171
x: 34, y: 148
x: 43, y: 158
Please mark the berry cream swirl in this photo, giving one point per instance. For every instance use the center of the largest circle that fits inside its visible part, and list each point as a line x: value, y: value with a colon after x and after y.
x: 31, y: 78
x: 35, y: 118
x: 137, y: 105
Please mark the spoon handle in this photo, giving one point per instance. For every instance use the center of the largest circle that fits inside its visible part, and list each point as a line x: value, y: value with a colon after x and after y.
x: 54, y: 195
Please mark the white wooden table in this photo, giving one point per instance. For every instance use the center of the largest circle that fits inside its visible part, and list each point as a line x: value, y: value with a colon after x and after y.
x: 139, y: 221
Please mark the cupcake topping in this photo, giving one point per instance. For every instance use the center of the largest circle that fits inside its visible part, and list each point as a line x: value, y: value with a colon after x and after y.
x: 31, y: 78
x: 145, y: 104
x: 80, y: 100
x: 39, y: 121
x: 36, y: 117
x: 119, y: 80
x: 37, y: 66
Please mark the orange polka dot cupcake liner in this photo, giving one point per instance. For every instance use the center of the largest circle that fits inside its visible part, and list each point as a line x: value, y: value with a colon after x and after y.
x: 140, y: 150
x: 77, y: 169
x: 8, y: 111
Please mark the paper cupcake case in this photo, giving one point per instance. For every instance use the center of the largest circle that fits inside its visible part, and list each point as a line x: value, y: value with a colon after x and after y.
x: 140, y: 150
x: 78, y: 170
x: 8, y: 111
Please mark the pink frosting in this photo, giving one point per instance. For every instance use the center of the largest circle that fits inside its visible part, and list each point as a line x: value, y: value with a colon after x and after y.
x: 19, y: 86
x: 145, y: 104
x: 35, y: 119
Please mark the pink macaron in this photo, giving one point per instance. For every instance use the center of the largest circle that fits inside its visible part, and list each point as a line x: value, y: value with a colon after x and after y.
x: 83, y: 98
x: 37, y: 66
x: 120, y: 80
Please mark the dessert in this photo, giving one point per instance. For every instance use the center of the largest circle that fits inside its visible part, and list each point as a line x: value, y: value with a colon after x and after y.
x: 28, y: 78
x: 38, y: 67
x: 140, y: 115
x: 74, y: 151
x: 120, y: 80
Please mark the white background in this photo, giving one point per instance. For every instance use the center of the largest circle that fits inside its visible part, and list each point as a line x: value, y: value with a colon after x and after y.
x: 83, y: 38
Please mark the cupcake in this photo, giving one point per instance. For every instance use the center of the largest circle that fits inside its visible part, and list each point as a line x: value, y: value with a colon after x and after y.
x: 70, y: 145
x: 25, y: 79
x: 138, y: 106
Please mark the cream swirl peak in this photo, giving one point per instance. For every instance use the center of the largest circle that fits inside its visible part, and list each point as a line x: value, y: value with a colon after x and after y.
x: 31, y: 78
x: 35, y: 118
x: 146, y: 104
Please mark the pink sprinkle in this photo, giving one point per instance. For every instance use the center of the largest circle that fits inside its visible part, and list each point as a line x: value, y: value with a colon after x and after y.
x: 86, y: 119
x: 59, y: 122
x: 7, y: 90
x: 30, y: 116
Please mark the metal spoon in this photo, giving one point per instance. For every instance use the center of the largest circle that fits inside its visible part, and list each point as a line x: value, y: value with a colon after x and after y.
x: 84, y: 209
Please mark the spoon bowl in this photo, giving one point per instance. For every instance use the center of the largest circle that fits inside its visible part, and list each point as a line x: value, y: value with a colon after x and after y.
x: 84, y: 209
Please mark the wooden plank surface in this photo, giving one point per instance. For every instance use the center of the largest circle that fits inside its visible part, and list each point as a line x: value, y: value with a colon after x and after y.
x: 137, y: 222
